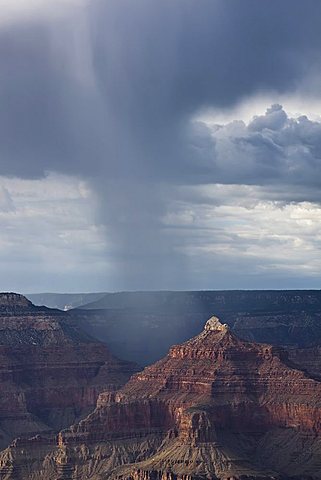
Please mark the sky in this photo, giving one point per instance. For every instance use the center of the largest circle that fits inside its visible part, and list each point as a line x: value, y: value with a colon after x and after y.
x: 151, y: 144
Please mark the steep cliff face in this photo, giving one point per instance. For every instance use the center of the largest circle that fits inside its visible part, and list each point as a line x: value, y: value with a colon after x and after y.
x: 216, y: 407
x: 50, y: 372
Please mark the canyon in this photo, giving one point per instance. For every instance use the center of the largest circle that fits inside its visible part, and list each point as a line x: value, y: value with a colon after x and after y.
x: 215, y: 407
x: 291, y: 318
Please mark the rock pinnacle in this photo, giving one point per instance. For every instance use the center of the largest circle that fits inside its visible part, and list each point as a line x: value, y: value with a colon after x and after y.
x: 214, y: 324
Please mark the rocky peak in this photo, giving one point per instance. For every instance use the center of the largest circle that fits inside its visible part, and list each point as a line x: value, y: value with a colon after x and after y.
x: 214, y: 324
x: 214, y: 339
x: 212, y: 408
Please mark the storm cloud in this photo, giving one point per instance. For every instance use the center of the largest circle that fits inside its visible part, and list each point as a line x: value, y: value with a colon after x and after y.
x: 114, y: 92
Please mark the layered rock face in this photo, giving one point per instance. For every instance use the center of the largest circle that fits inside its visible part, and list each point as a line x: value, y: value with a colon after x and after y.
x: 50, y: 372
x: 216, y: 407
x: 307, y: 359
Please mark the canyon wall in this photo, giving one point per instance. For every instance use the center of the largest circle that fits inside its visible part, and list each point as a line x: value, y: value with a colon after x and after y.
x: 51, y: 372
x: 216, y: 407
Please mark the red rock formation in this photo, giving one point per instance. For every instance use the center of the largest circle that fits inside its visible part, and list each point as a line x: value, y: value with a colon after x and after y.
x: 307, y: 359
x: 50, y: 372
x: 215, y: 408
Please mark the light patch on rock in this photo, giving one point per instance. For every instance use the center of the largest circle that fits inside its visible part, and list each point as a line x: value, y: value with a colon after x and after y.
x: 214, y: 324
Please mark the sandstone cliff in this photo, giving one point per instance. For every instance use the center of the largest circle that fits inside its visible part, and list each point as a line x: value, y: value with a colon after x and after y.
x: 216, y: 407
x: 51, y: 373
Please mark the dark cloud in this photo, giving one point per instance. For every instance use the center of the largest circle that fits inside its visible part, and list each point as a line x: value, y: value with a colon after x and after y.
x: 155, y: 64
x: 114, y: 102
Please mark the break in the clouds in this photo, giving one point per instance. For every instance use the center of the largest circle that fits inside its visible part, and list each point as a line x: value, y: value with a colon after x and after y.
x: 48, y: 234
x: 129, y: 97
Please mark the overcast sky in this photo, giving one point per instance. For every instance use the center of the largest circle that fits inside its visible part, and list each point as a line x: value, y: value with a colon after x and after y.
x: 160, y: 144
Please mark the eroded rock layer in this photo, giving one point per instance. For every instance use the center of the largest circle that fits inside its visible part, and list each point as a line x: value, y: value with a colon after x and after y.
x: 216, y: 407
x: 50, y: 372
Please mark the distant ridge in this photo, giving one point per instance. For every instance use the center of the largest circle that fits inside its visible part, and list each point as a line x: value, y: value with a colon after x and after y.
x: 64, y: 301
x: 219, y: 300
